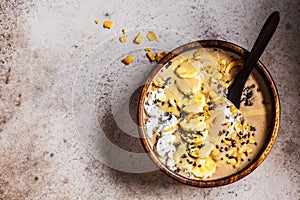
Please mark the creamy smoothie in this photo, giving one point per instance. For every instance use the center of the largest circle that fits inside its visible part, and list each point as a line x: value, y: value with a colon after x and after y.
x: 195, y: 131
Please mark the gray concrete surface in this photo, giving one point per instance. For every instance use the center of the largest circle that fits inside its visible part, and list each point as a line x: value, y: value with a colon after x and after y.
x: 61, y: 83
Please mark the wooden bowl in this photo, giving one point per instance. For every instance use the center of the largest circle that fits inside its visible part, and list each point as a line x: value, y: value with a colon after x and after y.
x: 271, y: 134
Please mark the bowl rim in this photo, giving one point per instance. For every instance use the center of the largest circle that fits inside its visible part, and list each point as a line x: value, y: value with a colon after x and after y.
x: 272, y: 134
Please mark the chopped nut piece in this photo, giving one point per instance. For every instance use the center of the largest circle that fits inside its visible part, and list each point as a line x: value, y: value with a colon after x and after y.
x: 251, y: 141
x: 124, y: 31
x: 197, y: 54
x: 108, y: 24
x: 150, y: 56
x: 159, y: 56
x: 213, y: 94
x: 138, y: 38
x: 218, y: 76
x: 97, y: 21
x: 248, y: 150
x: 152, y: 36
x: 231, y: 161
x: 233, y: 109
x: 159, y: 82
x: 222, y: 66
x: 123, y: 38
x: 222, y: 62
x: 147, y: 49
x: 209, y: 69
x: 127, y: 60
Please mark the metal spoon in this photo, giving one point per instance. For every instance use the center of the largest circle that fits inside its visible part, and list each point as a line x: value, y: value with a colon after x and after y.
x: 267, y: 31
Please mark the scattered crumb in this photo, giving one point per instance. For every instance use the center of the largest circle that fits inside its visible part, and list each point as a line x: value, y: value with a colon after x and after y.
x: 123, y: 38
x: 138, y: 38
x: 150, y: 56
x: 127, y: 60
x: 124, y: 31
x: 65, y: 180
x: 108, y: 24
x: 159, y: 56
x: 152, y: 36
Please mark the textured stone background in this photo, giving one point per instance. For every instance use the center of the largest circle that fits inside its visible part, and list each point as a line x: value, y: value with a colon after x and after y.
x: 44, y: 46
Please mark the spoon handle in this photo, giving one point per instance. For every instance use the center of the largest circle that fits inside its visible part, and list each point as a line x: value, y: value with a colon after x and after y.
x: 267, y: 31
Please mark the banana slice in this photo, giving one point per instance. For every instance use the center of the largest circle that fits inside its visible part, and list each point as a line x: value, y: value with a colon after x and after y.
x: 187, y: 137
x: 167, y: 107
x: 206, y: 150
x: 204, y: 168
x: 181, y: 149
x: 233, y: 64
x: 215, y: 122
x: 189, y: 85
x: 201, y: 150
x: 193, y: 122
x: 196, y: 138
x: 170, y: 102
x: 196, y: 104
x: 193, y: 108
x: 186, y: 70
x: 194, y: 152
x: 172, y: 93
x: 196, y: 63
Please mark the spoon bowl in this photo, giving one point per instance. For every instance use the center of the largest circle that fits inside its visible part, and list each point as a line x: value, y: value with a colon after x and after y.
x: 265, y: 35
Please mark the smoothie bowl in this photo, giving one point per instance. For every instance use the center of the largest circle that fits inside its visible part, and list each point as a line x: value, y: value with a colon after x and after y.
x: 191, y: 130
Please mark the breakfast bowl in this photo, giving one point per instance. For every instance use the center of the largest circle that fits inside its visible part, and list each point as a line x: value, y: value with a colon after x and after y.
x: 191, y: 131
